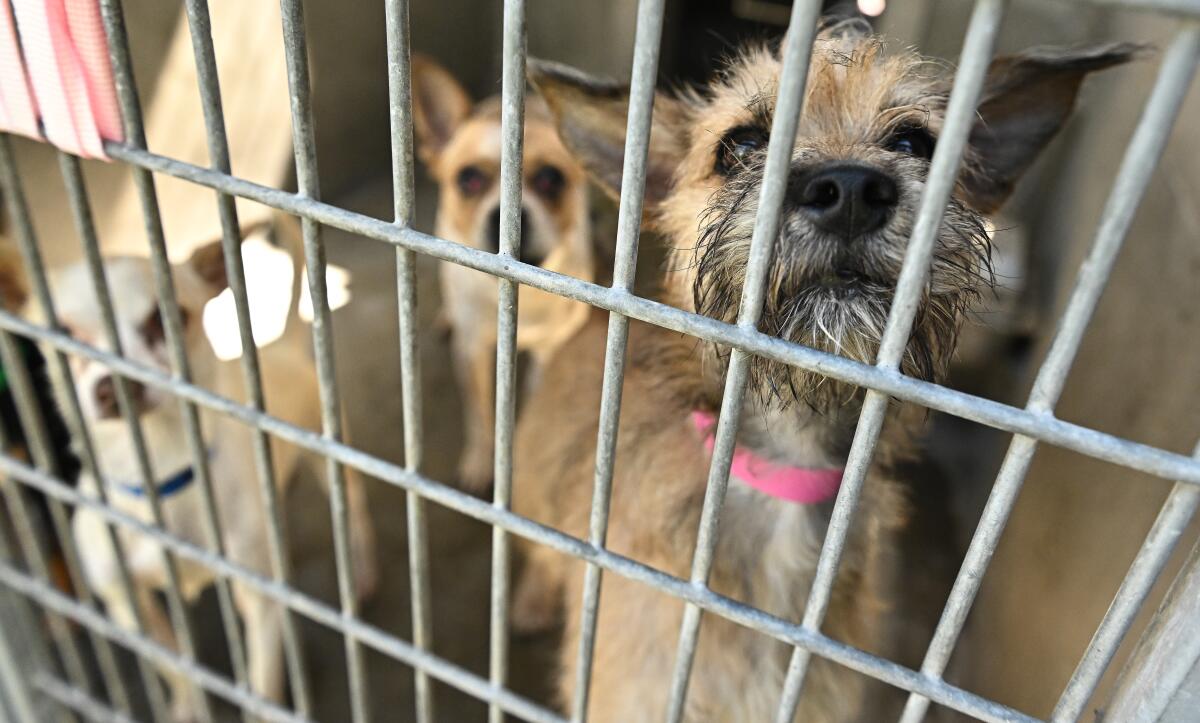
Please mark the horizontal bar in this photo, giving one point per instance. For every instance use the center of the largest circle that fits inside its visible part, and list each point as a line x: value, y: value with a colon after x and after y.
x: 1161, y: 682
x: 978, y: 47
x: 1141, y: 157
x: 208, y: 80
x: 15, y: 701
x: 1041, y: 426
x: 1188, y: 8
x: 50, y: 598
x: 351, y: 627
x: 304, y: 147
x: 788, y: 632
x: 797, y: 55
x: 79, y: 701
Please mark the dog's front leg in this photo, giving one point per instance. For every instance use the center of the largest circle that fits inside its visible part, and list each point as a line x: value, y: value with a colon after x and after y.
x: 158, y: 625
x: 475, y: 361
x: 363, y: 559
x: 263, y: 619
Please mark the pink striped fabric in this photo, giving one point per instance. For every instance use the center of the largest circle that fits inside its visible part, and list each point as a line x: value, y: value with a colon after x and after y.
x: 18, y: 110
x: 66, y: 55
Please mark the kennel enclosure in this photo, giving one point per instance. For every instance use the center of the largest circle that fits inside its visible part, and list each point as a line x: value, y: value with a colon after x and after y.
x: 62, y: 677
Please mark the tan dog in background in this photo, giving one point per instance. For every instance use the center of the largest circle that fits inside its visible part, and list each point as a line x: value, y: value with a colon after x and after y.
x: 459, y: 142
x: 291, y: 392
x: 869, y: 127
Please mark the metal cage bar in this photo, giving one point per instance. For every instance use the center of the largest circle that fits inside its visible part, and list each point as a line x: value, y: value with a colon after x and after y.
x: 1145, y: 148
x: 304, y: 143
x: 23, y: 620
x: 168, y: 305
x: 15, y: 200
x: 512, y: 138
x: 952, y: 141
x: 200, y: 30
x: 792, y: 82
x: 204, y: 677
x: 16, y: 703
x: 1160, y: 681
x: 882, y: 380
x: 31, y: 255
x: 35, y: 557
x: 1077, y: 438
x: 646, y: 47
x: 708, y: 600
x: 399, y: 51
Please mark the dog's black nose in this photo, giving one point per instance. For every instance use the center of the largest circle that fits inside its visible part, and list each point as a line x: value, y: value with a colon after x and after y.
x: 529, y: 254
x: 844, y: 199
x: 107, y: 406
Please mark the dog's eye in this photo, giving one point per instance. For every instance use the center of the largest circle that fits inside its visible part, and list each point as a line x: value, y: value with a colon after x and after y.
x: 151, y: 328
x: 737, y: 145
x: 472, y: 181
x: 548, y: 182
x: 914, y: 141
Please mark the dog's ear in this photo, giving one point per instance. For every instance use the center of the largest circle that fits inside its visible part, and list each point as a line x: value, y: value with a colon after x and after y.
x: 207, y: 266
x: 591, y: 115
x: 439, y: 105
x: 1026, y: 100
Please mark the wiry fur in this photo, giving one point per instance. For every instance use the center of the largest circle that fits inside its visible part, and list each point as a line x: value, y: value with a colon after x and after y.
x: 856, y: 97
x: 831, y: 293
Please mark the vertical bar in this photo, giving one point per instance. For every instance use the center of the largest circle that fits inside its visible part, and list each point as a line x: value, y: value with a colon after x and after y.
x: 200, y: 28
x: 15, y: 700
x: 646, y: 48
x: 81, y: 211
x: 960, y: 117
x: 35, y: 557
x: 1172, y: 522
x: 14, y: 196
x: 396, y: 19
x: 512, y: 130
x: 1145, y: 148
x: 25, y: 635
x: 167, y: 302
x: 1160, y: 682
x: 304, y: 141
x: 796, y: 56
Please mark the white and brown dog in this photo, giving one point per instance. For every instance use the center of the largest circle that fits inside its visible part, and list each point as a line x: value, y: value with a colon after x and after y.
x: 291, y: 393
x: 459, y: 142
x: 870, y: 122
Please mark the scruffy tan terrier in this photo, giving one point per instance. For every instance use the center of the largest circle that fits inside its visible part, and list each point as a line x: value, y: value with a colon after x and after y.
x: 459, y: 141
x: 870, y: 122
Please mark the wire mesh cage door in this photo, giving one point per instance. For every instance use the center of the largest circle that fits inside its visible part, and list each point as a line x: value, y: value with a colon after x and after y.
x: 58, y: 650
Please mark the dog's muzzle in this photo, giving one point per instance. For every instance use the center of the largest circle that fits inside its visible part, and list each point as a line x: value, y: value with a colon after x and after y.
x: 528, y: 253
x: 845, y: 200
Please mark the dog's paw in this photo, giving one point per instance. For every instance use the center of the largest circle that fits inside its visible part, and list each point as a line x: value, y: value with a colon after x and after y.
x: 475, y: 468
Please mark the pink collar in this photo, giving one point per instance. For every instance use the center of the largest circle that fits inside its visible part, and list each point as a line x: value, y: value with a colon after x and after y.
x: 795, y: 484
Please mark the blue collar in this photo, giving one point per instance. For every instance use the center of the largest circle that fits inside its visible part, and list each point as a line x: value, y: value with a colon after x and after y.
x: 170, y: 486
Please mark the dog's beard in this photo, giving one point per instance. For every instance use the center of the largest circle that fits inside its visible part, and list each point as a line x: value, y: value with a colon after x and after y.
x: 835, y: 297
